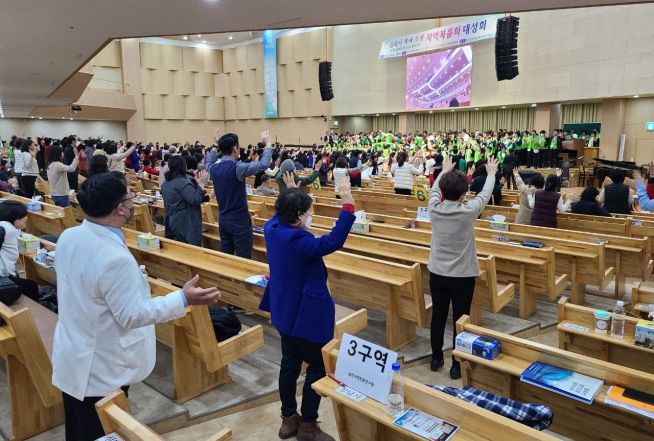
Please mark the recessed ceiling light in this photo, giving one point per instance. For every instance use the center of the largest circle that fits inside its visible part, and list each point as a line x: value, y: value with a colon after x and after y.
x: 534, y: 105
x: 40, y: 117
x: 503, y: 107
x: 230, y: 37
x: 71, y: 119
x: 636, y: 96
x: 377, y: 114
x: 32, y: 117
x: 476, y: 108
x: 393, y: 114
x: 204, y: 41
x: 431, y: 111
x: 199, y: 35
x: 63, y: 117
x: 452, y: 110
x: 185, y: 37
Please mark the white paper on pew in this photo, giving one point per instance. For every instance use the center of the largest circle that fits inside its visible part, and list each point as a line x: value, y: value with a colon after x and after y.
x: 351, y: 393
x: 365, y: 175
x: 365, y: 367
x: 423, y: 214
x: 111, y: 437
x: 360, y: 216
x: 248, y: 190
x: 576, y: 327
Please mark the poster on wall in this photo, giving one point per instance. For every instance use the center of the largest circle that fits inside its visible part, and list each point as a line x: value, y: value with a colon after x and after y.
x: 455, y: 34
x: 439, y: 80
x: 270, y: 74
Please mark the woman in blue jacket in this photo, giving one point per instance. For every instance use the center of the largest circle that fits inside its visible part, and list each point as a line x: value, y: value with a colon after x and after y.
x: 299, y: 302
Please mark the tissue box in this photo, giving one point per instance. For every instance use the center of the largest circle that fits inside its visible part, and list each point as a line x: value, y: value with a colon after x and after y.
x: 28, y: 244
x: 148, y: 241
x: 645, y: 333
x: 360, y: 227
x: 33, y: 206
x: 480, y: 346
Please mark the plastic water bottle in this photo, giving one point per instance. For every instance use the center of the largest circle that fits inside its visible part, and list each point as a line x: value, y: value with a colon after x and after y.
x: 617, y: 321
x: 144, y: 272
x: 395, y: 404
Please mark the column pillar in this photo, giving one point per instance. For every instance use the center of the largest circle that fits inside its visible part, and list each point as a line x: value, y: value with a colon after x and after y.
x: 407, y: 123
x: 131, y: 62
x: 613, y: 119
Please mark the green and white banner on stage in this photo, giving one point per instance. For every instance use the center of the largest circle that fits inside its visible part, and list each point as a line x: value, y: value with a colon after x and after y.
x: 270, y: 73
x: 455, y: 34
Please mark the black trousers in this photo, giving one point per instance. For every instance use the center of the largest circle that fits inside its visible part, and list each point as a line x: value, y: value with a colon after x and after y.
x: 459, y: 291
x: 28, y: 287
x: 82, y: 421
x: 295, y: 351
x: 72, y: 181
x: 403, y: 191
x: 29, y: 185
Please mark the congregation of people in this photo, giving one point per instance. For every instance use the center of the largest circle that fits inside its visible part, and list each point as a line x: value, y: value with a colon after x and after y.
x: 466, y: 171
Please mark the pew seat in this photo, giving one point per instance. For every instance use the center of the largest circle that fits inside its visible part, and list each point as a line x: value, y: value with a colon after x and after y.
x: 641, y: 298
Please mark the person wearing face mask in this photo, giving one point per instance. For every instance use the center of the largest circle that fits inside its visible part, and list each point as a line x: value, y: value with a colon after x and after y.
x: 228, y: 178
x: 299, y: 302
x: 105, y: 337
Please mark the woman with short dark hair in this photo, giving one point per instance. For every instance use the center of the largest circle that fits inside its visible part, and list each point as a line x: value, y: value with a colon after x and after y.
x: 13, y: 218
x: 183, y: 203
x: 58, y: 175
x: 98, y: 164
x: 588, y: 203
x: 547, y: 202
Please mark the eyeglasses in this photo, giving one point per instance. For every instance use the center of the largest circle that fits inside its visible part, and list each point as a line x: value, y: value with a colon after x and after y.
x: 128, y: 198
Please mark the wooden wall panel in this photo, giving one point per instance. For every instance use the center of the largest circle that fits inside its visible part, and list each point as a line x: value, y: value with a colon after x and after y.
x: 109, y: 56
x: 255, y: 55
x: 213, y: 61
x: 221, y: 85
x: 301, y: 102
x: 301, y: 50
x: 153, y: 106
x: 235, y: 83
x: 194, y: 108
x: 150, y: 55
x: 183, y: 82
x: 204, y: 85
x: 258, y: 75
x: 162, y: 81
x: 293, y: 80
x: 174, y: 107
x: 146, y: 80
x: 214, y: 108
x: 230, y: 107
x: 256, y: 106
x: 310, y: 74
x: 284, y: 50
x: 171, y: 57
x: 193, y: 59
x: 249, y: 81
x: 242, y: 107
x: 229, y: 60
x: 241, y: 58
x: 317, y: 106
x: 285, y: 104
x: 317, y: 44
x: 281, y: 77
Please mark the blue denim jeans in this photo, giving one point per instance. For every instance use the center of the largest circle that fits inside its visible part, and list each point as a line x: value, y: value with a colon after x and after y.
x: 61, y: 201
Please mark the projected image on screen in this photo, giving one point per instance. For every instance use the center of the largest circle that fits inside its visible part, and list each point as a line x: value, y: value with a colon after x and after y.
x: 439, y: 80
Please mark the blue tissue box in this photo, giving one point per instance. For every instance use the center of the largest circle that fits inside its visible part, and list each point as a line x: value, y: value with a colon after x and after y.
x: 478, y: 345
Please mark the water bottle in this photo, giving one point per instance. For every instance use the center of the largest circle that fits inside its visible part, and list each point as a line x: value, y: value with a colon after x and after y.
x: 395, y: 404
x: 617, y: 321
x: 144, y: 273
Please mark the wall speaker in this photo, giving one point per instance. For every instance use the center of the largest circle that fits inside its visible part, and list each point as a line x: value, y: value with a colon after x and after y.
x: 506, y: 48
x: 325, y: 80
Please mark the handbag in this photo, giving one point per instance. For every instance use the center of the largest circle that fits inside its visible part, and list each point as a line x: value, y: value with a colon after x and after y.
x: 9, y: 291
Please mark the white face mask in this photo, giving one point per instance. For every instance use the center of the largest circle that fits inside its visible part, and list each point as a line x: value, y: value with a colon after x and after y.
x: 307, y: 222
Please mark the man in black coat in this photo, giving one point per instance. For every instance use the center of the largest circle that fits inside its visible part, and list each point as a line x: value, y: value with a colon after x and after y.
x: 511, y: 161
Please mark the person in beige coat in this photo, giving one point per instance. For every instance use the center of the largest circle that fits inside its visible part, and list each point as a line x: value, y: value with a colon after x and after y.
x: 536, y: 183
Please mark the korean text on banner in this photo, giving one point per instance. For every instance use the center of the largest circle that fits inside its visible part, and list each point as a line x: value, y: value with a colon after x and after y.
x: 365, y: 367
x: 270, y: 73
x: 455, y: 34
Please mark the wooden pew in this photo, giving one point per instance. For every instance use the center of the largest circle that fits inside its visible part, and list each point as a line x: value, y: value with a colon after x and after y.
x: 392, y: 288
x: 116, y: 417
x: 368, y: 419
x: 51, y: 220
x: 26, y: 345
x: 571, y: 417
x: 602, y: 346
x: 641, y: 298
x: 177, y: 262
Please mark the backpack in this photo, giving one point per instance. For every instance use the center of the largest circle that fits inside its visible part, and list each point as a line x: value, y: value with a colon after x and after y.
x: 225, y: 323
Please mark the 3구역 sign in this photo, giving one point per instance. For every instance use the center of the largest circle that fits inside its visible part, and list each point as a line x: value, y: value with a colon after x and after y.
x: 365, y: 367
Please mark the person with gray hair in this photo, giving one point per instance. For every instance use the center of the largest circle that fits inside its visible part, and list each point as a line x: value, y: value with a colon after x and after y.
x: 288, y: 166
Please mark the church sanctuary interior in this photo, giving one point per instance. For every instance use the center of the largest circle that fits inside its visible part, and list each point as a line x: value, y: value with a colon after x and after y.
x: 326, y: 220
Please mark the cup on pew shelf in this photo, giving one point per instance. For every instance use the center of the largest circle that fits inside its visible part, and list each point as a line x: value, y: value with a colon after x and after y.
x: 601, y: 321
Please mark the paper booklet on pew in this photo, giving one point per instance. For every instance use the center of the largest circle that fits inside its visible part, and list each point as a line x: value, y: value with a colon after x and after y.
x: 111, y: 437
x: 616, y: 397
x: 425, y: 425
x: 562, y: 381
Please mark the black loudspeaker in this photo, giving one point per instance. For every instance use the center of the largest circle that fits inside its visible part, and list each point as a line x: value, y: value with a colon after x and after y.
x: 506, y: 48
x: 325, y: 80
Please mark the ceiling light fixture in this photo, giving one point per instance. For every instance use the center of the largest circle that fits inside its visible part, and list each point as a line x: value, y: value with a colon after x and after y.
x: 71, y: 119
x: 476, y: 108
x: 40, y: 117
x: 185, y: 37
x: 534, y: 105
x: 377, y: 114
x: 452, y: 110
x: 230, y: 37
x: 431, y: 111
x: 636, y: 96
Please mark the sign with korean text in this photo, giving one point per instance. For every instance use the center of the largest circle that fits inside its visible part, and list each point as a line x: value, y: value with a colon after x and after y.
x: 365, y: 367
x: 270, y: 74
x: 455, y: 34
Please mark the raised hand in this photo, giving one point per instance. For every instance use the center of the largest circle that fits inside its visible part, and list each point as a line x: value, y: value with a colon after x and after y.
x: 289, y: 180
x: 559, y: 172
x: 637, y: 175
x: 200, y: 296
x: 345, y: 191
x: 491, y: 166
x: 448, y: 165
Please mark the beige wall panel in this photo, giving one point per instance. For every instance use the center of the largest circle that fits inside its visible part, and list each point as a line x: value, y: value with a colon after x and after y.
x: 249, y: 82
x: 171, y: 57
x: 194, y: 107
x: 153, y: 106
x: 317, y: 106
x: 283, y: 130
x: 107, y: 78
x: 146, y: 80
x: 281, y: 77
x: 255, y: 56
x: 235, y: 83
x: 174, y: 107
x: 310, y: 74
x: 317, y: 44
x: 183, y: 82
x: 241, y: 58
x: 230, y: 107
x: 214, y: 108
x: 284, y: 50
x: 150, y: 55
x: 204, y: 85
x: 639, y: 141
x: 293, y: 79
x: 162, y: 81
x: 221, y: 85
x: 256, y: 106
x: 229, y: 60
x: 243, y: 107
x: 182, y: 130
x: 301, y: 102
x: 285, y: 104
x: 193, y: 59
x: 213, y: 61
x: 109, y: 56
x: 301, y: 44
x: 258, y: 78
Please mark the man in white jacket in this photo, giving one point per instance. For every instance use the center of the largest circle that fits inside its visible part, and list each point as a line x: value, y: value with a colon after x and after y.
x: 105, y: 338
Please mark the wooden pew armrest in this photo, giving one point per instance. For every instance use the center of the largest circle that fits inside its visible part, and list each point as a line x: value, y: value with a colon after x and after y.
x: 560, y: 285
x: 240, y: 345
x: 505, y: 363
x: 607, y: 273
x: 223, y: 435
x: 504, y: 296
x: 352, y: 323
